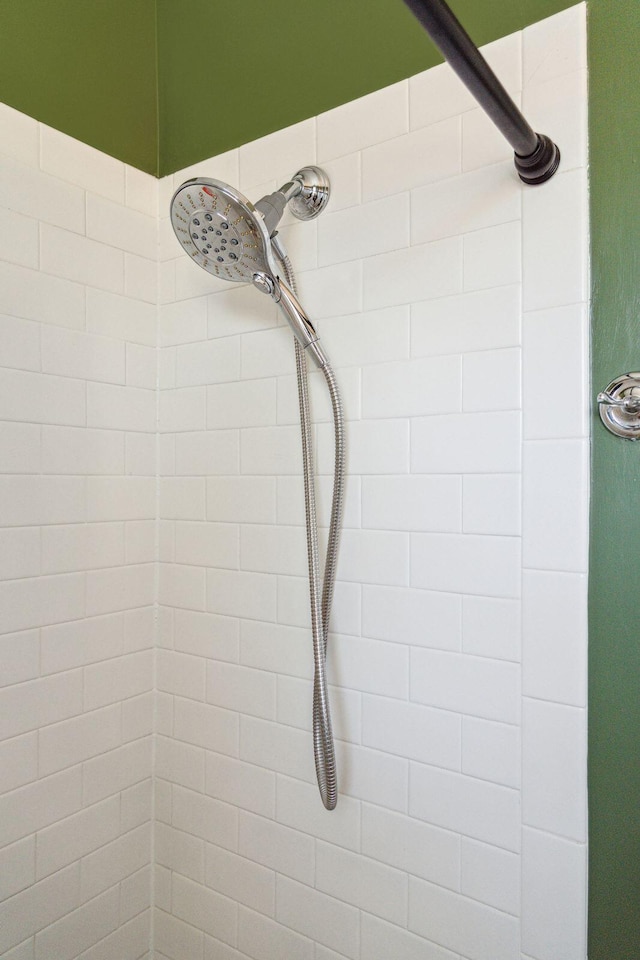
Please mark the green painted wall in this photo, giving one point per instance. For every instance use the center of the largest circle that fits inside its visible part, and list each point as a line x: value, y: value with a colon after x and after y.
x: 614, y: 616
x: 226, y: 80
x: 87, y: 67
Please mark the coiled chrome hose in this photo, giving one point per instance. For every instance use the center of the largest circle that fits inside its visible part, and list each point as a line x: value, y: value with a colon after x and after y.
x: 323, y: 746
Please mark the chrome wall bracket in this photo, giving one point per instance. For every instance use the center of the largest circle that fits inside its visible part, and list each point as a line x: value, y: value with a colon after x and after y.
x: 314, y: 195
x: 619, y: 406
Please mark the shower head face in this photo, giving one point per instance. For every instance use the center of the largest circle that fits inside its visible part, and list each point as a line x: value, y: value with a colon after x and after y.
x: 221, y: 230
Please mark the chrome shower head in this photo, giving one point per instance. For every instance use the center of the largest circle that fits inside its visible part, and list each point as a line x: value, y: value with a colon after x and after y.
x: 226, y: 235
x: 221, y: 230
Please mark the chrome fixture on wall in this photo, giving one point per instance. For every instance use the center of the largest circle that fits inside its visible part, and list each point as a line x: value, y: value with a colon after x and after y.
x: 231, y: 238
x: 619, y: 406
x: 536, y: 157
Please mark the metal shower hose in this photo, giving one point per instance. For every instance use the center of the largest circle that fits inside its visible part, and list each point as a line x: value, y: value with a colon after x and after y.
x: 323, y: 746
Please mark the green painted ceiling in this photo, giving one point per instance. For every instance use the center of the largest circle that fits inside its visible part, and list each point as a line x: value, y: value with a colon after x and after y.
x: 162, y: 84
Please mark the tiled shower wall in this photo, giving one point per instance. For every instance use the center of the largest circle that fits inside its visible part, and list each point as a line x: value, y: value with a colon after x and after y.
x: 78, y: 240
x: 452, y: 301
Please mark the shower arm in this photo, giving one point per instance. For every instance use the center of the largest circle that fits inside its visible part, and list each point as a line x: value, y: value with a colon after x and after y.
x: 536, y: 156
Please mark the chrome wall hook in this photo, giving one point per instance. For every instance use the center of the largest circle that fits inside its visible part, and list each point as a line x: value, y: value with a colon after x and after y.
x: 619, y: 406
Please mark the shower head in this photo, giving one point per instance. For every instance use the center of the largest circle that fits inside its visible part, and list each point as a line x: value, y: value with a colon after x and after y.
x: 221, y: 230
x: 229, y: 237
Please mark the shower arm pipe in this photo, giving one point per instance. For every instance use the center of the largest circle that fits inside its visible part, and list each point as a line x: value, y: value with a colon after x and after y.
x: 536, y: 156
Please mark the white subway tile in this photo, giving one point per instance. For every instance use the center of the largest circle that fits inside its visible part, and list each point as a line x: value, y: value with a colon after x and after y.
x: 287, y: 851
x: 77, y: 258
x: 491, y: 876
x: 412, y: 503
x: 85, y: 166
x: 248, y: 403
x: 555, y: 46
x: 400, y: 164
x: 273, y: 549
x: 264, y: 939
x: 140, y: 536
x: 483, y: 144
x: 332, y: 291
x: 554, y: 896
x: 206, y: 635
x: 182, y: 498
x: 240, y: 879
x: 241, y: 689
x: 119, y: 588
x: 554, y: 764
x: 560, y: 109
x: 140, y: 454
x: 19, y: 448
x: 293, y: 604
x: 318, y: 916
x: 37, y: 296
x: 141, y: 279
x: 121, y: 408
x: 39, y: 906
x: 374, y: 776
x: 274, y: 647
x: 489, y: 566
x: 466, y: 443
x: 493, y: 257
x: 120, y: 498
x: 211, y: 452
x: 236, y: 593
x: 462, y: 924
x: 266, y: 353
x: 474, y: 808
x: 74, y: 547
x: 80, y: 738
x: 237, y: 310
x: 183, y: 764
x: 180, y: 852
x: 243, y: 785
x: 117, y: 771
x: 491, y: 751
x: 121, y: 227
x: 556, y: 345
x: 82, y: 451
x: 491, y: 627
x: 206, y: 544
x: 19, y: 759
x: 177, y: 938
x: 278, y: 155
x: 181, y: 674
x: 554, y: 663
x: 375, y: 336
x: 365, y: 883
x: 204, y: 909
x: 555, y: 243
x: 382, y: 940
x: 19, y: 553
x: 38, y: 804
x: 418, y: 273
x: 555, y: 514
x: 271, y: 450
x: 35, y: 194
x: 276, y: 747
x: 410, y: 845
x: 408, y: 730
x: 472, y: 685
x: 363, y: 231
x: 17, y: 867
x: 183, y: 322
x: 470, y: 202
x: 141, y: 366
x: 18, y: 238
x: 416, y: 617
x: 73, y: 838
x: 491, y: 504
x: 374, y: 556
x: 491, y: 380
x: 344, y: 176
x: 41, y: 399
x: 203, y: 363
x: 112, y: 315
x: 299, y: 806
x: 241, y: 499
x: 117, y: 679
x: 413, y: 388
x: 19, y: 135
x: 141, y: 191
x: 382, y: 115
x: 375, y: 446
x: 42, y: 600
x: 369, y: 665
x: 182, y: 409
x: 205, y: 817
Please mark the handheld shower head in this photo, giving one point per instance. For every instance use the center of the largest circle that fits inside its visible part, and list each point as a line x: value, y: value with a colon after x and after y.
x: 229, y: 237
x: 221, y: 230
